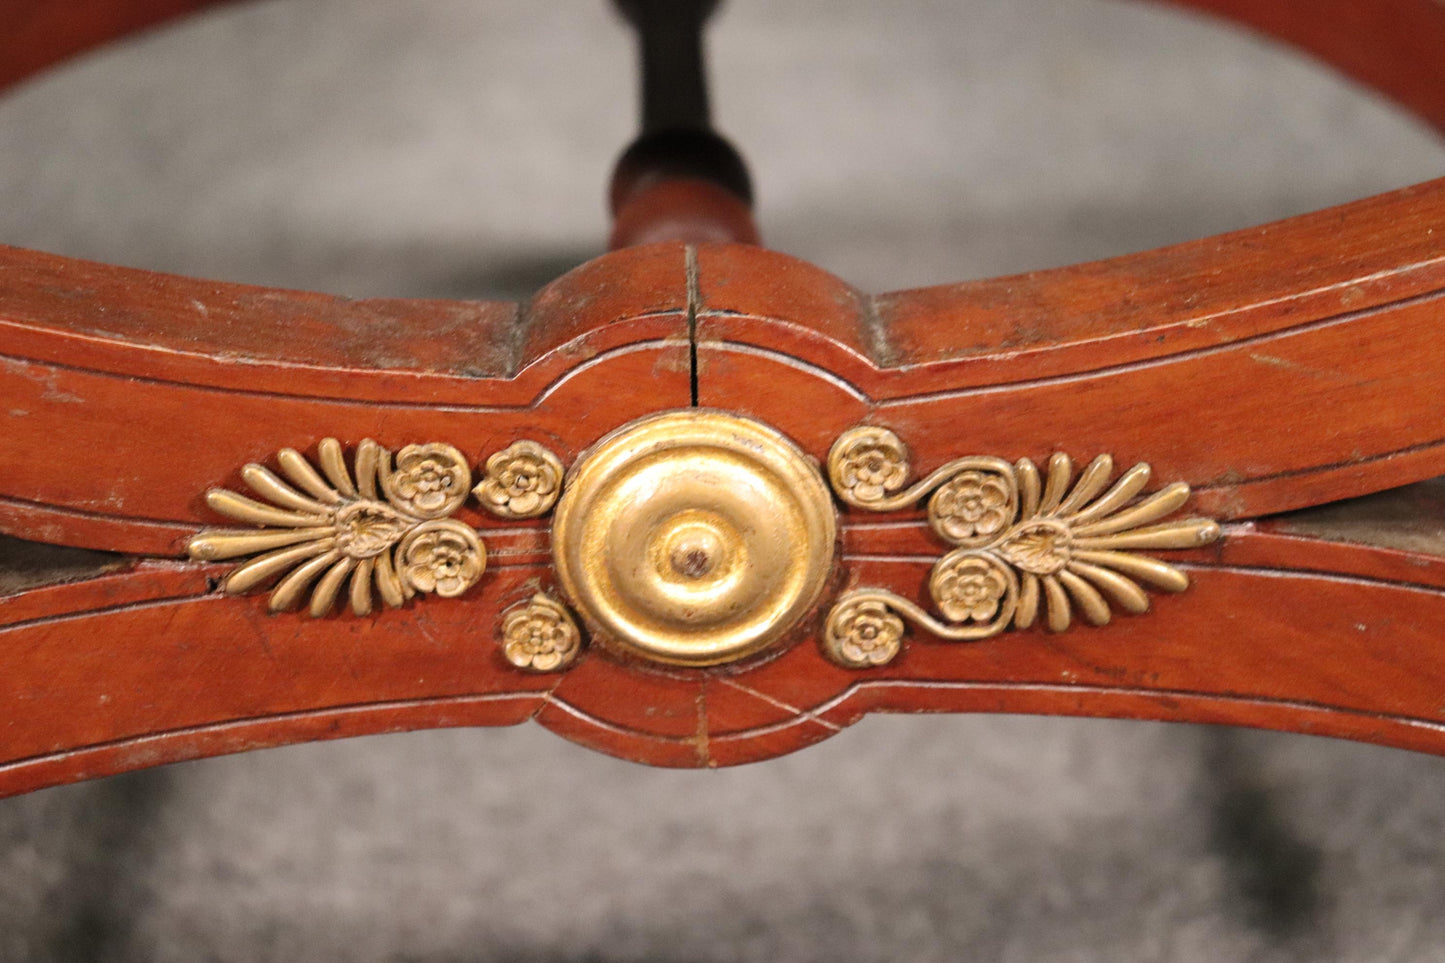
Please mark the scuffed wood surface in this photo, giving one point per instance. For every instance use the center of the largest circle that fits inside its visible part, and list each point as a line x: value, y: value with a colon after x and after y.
x: 1262, y: 367
x: 144, y: 390
x: 152, y: 665
x: 1273, y: 369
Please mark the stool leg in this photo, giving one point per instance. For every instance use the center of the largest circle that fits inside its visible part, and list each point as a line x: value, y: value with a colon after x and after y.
x: 679, y: 180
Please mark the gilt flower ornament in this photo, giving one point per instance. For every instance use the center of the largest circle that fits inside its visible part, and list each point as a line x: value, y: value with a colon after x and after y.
x: 1027, y: 546
x: 380, y: 526
x: 522, y: 480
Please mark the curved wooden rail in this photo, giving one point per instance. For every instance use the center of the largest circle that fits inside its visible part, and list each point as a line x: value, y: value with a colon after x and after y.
x: 1264, y: 367
x: 1394, y: 46
x: 1273, y: 368
x: 39, y: 33
x: 1211, y: 360
x: 144, y: 390
x: 151, y: 666
x: 154, y: 664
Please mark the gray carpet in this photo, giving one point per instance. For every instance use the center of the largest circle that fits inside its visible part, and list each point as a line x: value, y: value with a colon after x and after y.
x: 459, y: 148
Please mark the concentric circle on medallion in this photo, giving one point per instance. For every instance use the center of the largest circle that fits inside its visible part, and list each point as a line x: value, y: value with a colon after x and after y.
x: 694, y: 537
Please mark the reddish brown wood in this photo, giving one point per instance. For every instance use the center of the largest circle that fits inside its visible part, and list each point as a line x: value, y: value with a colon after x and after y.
x: 1272, y: 368
x: 35, y: 34
x: 145, y: 390
x: 1211, y: 360
x: 1396, y: 47
x: 183, y: 673
x: 150, y: 666
x: 1263, y: 367
x: 688, y: 210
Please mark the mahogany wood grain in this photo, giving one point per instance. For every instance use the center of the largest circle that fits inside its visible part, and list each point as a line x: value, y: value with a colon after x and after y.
x: 144, y: 390
x: 125, y: 679
x: 152, y: 665
x: 683, y: 209
x: 1273, y: 368
x: 1211, y: 360
x: 1265, y: 367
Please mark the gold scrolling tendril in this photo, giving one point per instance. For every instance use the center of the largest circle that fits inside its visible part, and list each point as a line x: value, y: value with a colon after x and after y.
x: 1027, y: 546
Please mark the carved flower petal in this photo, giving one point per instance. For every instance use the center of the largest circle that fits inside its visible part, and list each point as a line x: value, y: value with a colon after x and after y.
x: 973, y: 585
x: 540, y: 636
x: 525, y: 503
x: 429, y: 481
x: 522, y: 481
x: 866, y: 464
x: 443, y: 556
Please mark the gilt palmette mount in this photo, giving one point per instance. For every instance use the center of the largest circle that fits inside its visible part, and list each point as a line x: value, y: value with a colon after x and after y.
x: 1027, y: 548
x: 380, y: 527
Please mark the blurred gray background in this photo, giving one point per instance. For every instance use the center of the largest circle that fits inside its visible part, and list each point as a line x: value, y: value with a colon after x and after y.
x: 460, y: 148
